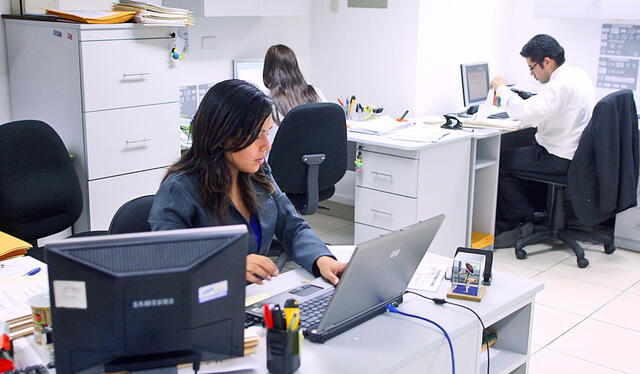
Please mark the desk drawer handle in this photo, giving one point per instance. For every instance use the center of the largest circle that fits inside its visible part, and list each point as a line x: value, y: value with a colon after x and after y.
x: 131, y: 75
x: 381, y: 212
x: 382, y: 174
x: 138, y: 141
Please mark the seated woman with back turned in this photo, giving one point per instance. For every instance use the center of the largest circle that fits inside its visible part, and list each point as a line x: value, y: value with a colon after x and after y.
x: 287, y: 87
x: 223, y: 180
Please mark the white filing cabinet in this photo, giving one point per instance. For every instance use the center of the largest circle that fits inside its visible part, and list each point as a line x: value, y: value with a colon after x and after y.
x: 398, y: 187
x: 111, y: 93
x: 627, y: 230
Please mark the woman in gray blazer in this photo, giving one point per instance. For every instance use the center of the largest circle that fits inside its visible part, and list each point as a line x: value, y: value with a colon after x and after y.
x: 223, y: 179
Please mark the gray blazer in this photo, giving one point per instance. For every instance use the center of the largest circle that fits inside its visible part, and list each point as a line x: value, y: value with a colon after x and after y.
x: 177, y: 205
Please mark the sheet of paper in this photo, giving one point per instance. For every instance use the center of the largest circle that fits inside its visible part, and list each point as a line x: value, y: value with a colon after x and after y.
x: 343, y: 253
x: 428, y: 277
x: 14, y: 296
x: 19, y: 266
x: 249, y: 300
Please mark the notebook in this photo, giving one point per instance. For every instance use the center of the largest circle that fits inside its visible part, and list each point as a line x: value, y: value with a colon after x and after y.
x: 377, y: 275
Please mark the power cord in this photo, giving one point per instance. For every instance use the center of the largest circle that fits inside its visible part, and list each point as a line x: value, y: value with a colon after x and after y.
x: 443, y: 301
x: 393, y: 309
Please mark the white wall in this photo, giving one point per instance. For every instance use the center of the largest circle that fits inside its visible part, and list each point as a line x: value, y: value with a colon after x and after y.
x: 5, y: 104
x: 241, y: 37
x: 369, y: 53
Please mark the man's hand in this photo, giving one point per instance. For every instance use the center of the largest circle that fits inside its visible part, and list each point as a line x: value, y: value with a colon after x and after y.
x: 497, y: 82
x: 260, y: 268
x: 330, y: 269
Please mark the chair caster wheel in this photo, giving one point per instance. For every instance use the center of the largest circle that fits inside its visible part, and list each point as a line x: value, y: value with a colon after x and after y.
x: 609, y: 248
x: 583, y: 263
x: 521, y: 254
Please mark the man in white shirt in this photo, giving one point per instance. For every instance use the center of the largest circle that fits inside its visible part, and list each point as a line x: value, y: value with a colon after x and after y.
x: 560, y: 112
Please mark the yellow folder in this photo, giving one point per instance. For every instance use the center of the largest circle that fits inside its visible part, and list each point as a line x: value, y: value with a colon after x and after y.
x: 10, y: 246
x: 94, y: 16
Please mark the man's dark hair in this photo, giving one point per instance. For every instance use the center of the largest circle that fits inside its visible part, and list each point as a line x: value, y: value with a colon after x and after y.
x: 541, y: 46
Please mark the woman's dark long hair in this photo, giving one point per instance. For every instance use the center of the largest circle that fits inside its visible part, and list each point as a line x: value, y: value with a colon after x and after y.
x: 229, y: 119
x: 282, y: 76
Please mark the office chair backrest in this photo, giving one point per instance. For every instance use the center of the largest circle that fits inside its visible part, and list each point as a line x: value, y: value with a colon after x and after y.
x: 39, y: 189
x: 309, y: 129
x: 603, y: 175
x: 132, y: 216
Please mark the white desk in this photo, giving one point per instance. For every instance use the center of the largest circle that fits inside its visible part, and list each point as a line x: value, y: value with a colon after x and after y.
x: 394, y: 343
x: 403, y: 182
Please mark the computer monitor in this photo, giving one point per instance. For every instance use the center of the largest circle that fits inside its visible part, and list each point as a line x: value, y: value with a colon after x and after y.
x: 475, y: 82
x: 138, y: 301
x: 250, y: 71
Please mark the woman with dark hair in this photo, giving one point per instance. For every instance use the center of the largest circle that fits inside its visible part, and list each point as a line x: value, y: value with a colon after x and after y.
x: 287, y: 87
x: 223, y: 180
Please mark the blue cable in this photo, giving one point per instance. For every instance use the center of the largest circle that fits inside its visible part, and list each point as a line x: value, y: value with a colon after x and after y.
x: 393, y: 309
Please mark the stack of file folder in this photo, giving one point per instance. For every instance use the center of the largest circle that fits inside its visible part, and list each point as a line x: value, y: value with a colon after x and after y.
x: 151, y: 14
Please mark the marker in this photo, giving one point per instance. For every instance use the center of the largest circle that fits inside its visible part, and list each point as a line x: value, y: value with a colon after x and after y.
x: 290, y: 309
x: 278, y: 321
x: 401, y: 119
x: 32, y: 272
x: 266, y: 314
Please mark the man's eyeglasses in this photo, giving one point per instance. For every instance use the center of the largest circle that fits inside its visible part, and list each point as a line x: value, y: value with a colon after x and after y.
x: 533, y: 66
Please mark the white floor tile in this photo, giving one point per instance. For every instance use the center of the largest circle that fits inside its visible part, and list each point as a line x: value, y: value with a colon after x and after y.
x: 602, y: 343
x: 514, y: 269
x: 550, y: 323
x: 622, y: 311
x: 635, y: 289
x: 540, y: 256
x: 571, y: 295
x: 343, y: 236
x: 547, y: 361
x: 619, y: 270
x: 323, y: 224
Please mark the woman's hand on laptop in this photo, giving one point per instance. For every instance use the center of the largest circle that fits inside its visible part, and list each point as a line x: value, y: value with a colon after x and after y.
x: 330, y: 269
x: 260, y: 268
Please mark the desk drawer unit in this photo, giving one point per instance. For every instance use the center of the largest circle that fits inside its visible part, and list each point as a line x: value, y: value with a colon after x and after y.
x: 131, y: 139
x: 383, y: 172
x: 384, y: 210
x: 126, y: 73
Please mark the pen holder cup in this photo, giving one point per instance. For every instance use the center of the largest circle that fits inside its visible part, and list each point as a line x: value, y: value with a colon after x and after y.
x: 283, y: 350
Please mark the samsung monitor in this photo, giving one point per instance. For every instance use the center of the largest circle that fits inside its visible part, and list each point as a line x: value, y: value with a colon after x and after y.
x: 151, y: 300
x: 250, y: 71
x: 475, y: 82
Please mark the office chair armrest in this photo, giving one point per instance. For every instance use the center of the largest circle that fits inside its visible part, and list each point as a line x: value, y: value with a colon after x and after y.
x: 313, y: 162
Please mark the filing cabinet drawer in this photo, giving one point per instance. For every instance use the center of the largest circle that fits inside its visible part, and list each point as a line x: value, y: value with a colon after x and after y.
x: 393, y: 174
x: 383, y: 210
x: 125, y: 73
x: 107, y: 195
x: 131, y: 139
x: 362, y: 233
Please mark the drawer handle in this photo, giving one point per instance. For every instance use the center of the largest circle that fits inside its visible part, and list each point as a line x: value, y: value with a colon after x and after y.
x: 381, y: 212
x: 131, y: 75
x: 382, y: 174
x: 138, y: 141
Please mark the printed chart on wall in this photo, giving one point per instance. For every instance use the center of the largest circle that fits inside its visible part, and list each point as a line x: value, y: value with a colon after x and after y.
x: 619, y: 56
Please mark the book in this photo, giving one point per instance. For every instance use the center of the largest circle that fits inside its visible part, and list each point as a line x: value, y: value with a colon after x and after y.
x: 10, y: 246
x: 94, y: 16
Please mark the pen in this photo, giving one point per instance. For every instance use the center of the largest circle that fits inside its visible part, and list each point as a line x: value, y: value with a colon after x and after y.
x: 278, y: 321
x: 404, y: 114
x: 258, y: 276
x: 351, y: 104
x: 341, y: 103
x: 32, y: 272
x: 294, y: 322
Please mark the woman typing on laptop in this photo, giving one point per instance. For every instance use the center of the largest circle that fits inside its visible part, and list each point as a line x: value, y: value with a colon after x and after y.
x: 223, y: 180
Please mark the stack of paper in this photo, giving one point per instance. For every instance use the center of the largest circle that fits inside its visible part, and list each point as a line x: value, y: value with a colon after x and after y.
x: 432, y: 134
x: 379, y: 126
x: 11, y: 246
x: 93, y: 16
x: 16, y: 288
x: 155, y: 14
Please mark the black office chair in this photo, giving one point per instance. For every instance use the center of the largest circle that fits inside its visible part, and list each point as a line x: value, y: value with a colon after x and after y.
x: 132, y: 216
x: 39, y: 190
x: 309, y: 154
x: 597, y: 191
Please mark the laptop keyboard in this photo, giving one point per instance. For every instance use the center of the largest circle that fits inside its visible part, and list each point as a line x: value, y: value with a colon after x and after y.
x: 312, y: 310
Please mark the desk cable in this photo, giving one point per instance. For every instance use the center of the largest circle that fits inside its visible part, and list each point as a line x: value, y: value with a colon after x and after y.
x: 443, y: 301
x: 393, y: 309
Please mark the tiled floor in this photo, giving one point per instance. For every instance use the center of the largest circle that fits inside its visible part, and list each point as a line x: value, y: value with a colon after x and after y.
x: 585, y: 320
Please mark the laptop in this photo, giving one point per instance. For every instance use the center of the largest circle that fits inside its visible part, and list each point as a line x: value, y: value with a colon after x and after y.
x: 377, y: 275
